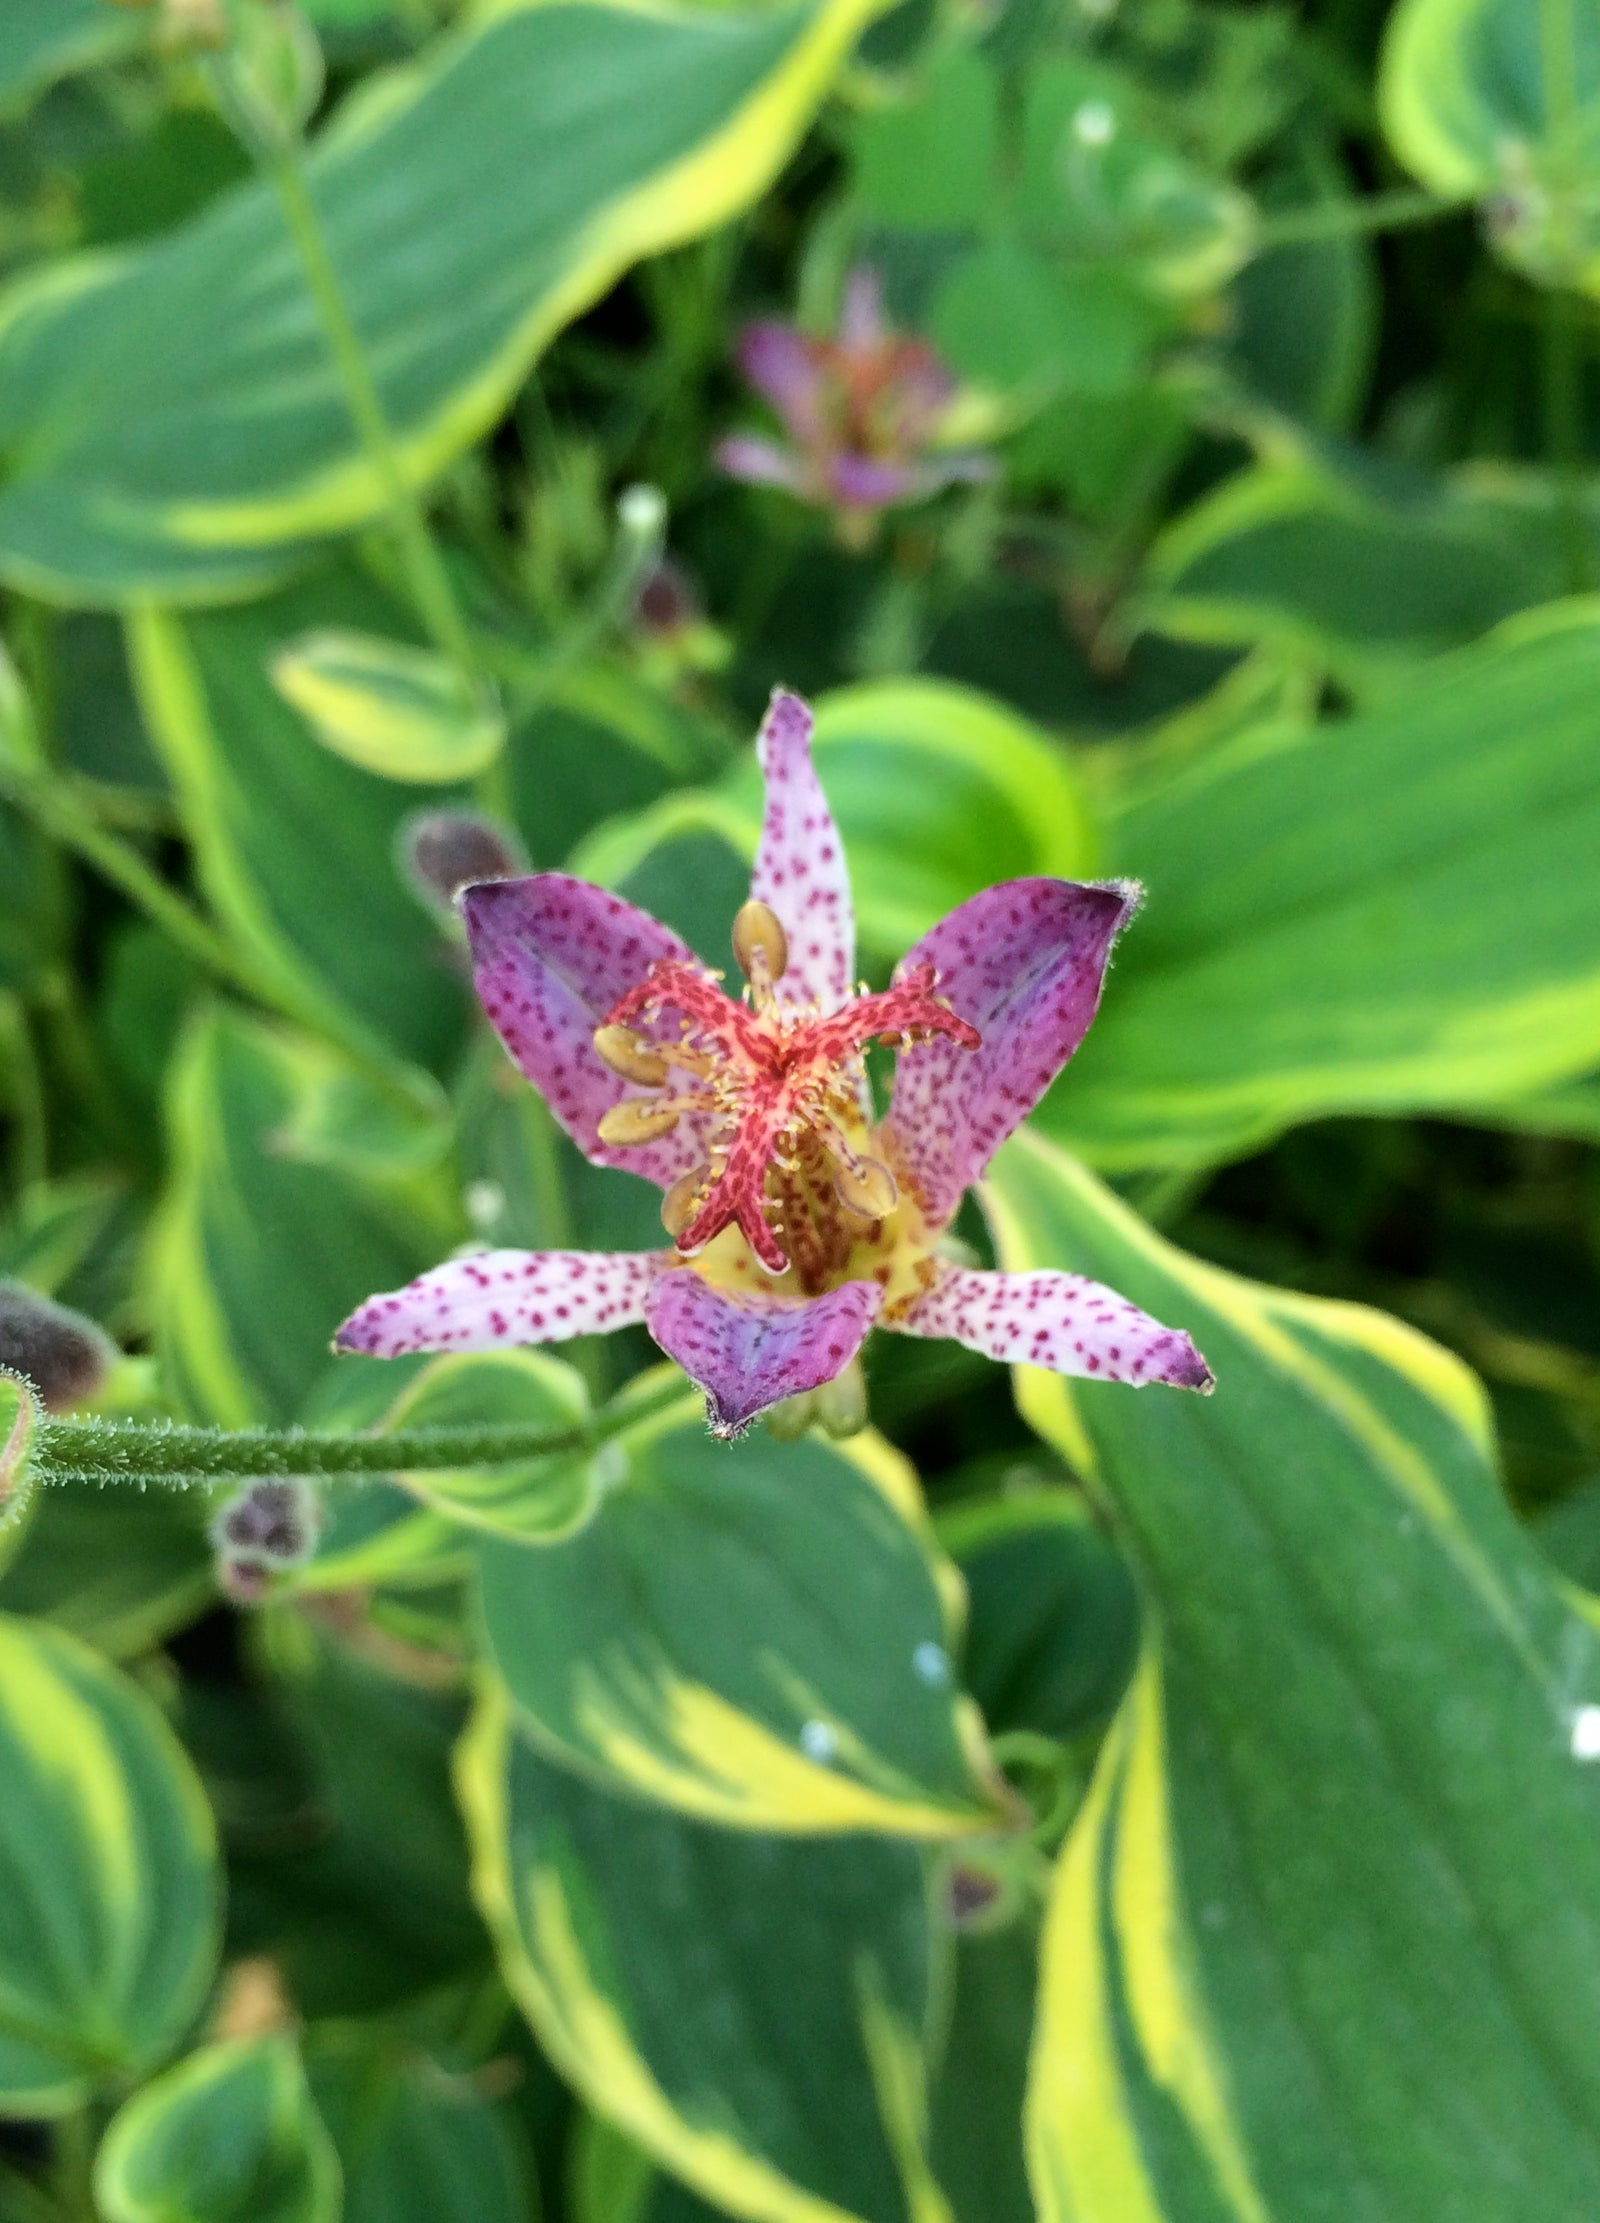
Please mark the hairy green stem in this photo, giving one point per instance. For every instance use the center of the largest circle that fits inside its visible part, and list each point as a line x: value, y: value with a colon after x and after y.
x: 120, y: 1451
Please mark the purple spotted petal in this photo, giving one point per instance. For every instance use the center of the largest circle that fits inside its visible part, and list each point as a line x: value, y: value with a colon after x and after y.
x: 800, y: 869
x: 743, y: 455
x: 781, y: 364
x: 749, y: 1352
x: 863, y: 482
x: 1060, y: 1321
x: 501, y: 1297
x: 924, y: 390
x: 1024, y: 963
x: 550, y: 956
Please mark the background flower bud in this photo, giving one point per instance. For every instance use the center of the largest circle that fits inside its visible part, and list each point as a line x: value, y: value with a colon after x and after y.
x: 65, y: 1356
x: 262, y: 1531
x: 443, y: 851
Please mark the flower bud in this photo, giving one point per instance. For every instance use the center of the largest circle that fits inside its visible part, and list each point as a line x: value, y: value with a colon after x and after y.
x: 65, y: 1356
x: 444, y: 851
x: 265, y: 1529
x: 972, y: 1893
x: 841, y: 1405
x: 273, y: 77
x: 788, y: 1420
x: 665, y: 604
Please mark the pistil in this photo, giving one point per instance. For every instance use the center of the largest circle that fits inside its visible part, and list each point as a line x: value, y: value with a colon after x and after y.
x: 782, y: 1093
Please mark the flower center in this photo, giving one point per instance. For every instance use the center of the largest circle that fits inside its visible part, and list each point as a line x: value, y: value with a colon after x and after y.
x: 792, y: 1158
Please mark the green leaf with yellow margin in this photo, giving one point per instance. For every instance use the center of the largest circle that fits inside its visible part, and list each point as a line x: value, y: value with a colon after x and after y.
x: 108, y: 1876
x: 255, y: 1258
x: 750, y: 2009
x: 172, y: 417
x: 403, y: 712
x: 230, y: 2135
x: 296, y: 849
x: 43, y: 40
x: 536, y: 1501
x: 1303, y: 953
x: 419, y: 2141
x: 122, y: 1569
x: 1304, y: 1960
x: 754, y: 1633
x: 1500, y: 100
x: 1363, y: 579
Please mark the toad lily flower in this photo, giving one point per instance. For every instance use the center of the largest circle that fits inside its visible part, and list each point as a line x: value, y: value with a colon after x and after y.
x: 797, y: 1217
x: 865, y: 414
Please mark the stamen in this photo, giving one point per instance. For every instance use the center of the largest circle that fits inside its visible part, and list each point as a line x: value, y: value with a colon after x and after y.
x: 762, y: 948
x: 630, y: 1055
x: 779, y: 1098
x: 863, y: 1186
x: 681, y: 1200
x: 633, y: 1120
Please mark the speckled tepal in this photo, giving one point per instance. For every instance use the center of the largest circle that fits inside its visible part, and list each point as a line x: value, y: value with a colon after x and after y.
x: 798, y: 1218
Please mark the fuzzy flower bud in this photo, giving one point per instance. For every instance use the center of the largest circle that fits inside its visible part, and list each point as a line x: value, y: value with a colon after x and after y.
x: 444, y: 851
x: 63, y: 1354
x: 265, y: 1529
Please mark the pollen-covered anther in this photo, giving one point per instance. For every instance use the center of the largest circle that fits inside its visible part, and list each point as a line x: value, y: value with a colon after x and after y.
x: 682, y: 1200
x: 761, y: 946
x: 636, y: 1121
x: 864, y: 1186
x: 631, y: 1056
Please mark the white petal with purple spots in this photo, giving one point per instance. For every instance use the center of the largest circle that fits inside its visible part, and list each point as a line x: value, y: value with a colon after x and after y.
x: 1063, y: 1322
x: 498, y: 1298
x: 800, y: 869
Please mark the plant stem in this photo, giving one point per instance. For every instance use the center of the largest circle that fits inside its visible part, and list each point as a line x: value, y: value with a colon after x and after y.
x: 424, y: 566
x: 119, y: 1451
x: 1561, y: 363
x: 55, y: 809
x: 1558, y: 56
x: 31, y: 1155
x: 1380, y: 212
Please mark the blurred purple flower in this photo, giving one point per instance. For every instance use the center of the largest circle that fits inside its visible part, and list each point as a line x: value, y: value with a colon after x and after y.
x: 863, y: 413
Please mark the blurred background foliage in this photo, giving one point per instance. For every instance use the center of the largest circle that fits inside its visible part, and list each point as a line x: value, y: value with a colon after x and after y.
x: 611, y: 1840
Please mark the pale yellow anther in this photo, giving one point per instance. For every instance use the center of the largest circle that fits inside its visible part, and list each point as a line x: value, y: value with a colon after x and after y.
x: 866, y: 1188
x: 760, y: 944
x: 630, y: 1055
x: 635, y: 1121
x: 679, y: 1203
